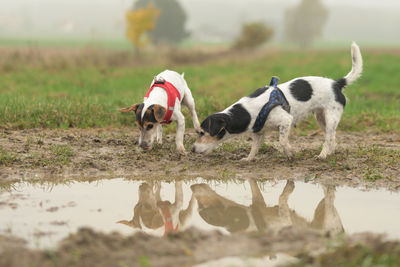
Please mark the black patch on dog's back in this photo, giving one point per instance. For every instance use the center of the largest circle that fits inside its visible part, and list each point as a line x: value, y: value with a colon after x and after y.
x: 301, y: 90
x: 258, y: 92
x: 237, y: 121
x: 337, y: 87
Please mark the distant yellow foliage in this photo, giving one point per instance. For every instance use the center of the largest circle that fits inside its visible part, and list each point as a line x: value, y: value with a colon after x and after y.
x: 139, y: 22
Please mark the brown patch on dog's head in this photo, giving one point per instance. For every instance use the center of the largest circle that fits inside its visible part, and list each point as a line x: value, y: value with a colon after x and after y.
x: 159, y: 112
x: 137, y: 109
x: 154, y: 114
x: 206, y: 138
x: 215, y: 125
x: 213, y: 130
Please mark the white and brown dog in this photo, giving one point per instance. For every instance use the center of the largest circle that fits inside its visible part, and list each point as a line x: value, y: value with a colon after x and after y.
x: 280, y: 108
x: 162, y: 105
x: 153, y: 215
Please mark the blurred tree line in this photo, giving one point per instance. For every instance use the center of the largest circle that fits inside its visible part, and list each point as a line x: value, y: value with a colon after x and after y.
x: 169, y: 24
x: 305, y: 22
x: 163, y: 22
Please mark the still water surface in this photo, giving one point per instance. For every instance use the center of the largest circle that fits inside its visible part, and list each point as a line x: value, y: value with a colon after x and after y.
x: 45, y: 214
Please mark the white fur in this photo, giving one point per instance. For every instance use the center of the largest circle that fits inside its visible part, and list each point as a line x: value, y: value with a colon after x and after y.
x: 322, y: 103
x: 159, y: 96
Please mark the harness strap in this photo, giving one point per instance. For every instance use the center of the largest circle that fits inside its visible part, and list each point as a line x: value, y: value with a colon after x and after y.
x: 276, y: 98
x: 172, y: 94
x: 168, y: 223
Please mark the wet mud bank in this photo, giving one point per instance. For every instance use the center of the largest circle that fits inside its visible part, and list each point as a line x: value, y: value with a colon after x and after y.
x: 361, y: 159
x: 87, y: 248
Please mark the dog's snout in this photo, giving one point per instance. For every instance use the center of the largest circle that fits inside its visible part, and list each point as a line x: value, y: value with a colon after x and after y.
x: 144, y: 145
x: 193, y: 149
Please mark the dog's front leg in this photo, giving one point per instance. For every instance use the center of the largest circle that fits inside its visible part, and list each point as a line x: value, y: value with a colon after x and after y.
x: 284, y: 211
x: 189, y: 102
x: 159, y: 134
x: 284, y: 131
x: 180, y: 130
x: 185, y: 215
x: 257, y: 141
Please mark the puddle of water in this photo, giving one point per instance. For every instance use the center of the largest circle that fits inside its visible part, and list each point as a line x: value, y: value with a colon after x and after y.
x: 44, y: 215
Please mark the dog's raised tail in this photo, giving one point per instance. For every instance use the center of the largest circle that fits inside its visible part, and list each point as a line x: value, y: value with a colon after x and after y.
x: 357, y: 63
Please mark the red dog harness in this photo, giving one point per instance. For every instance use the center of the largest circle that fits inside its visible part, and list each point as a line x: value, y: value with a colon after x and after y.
x: 172, y: 94
x: 169, y: 226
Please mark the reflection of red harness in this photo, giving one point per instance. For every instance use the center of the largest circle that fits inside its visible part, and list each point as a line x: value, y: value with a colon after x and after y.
x: 172, y: 93
x: 169, y: 226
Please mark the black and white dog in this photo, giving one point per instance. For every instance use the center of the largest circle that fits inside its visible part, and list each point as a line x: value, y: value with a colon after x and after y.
x: 305, y: 95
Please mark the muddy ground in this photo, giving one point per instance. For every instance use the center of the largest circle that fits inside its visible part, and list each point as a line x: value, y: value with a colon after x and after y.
x: 362, y: 159
x: 88, y: 248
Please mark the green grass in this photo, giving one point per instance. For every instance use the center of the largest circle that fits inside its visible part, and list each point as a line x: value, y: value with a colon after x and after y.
x: 386, y: 254
x: 85, y: 94
x: 59, y: 155
x: 6, y: 157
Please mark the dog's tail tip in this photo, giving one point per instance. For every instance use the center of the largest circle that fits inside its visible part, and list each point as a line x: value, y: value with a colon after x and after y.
x: 357, y: 64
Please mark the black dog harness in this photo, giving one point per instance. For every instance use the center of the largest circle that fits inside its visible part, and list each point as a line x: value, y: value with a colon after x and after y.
x: 276, y: 98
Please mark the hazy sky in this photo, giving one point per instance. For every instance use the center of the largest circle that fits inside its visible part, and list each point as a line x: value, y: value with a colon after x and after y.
x: 356, y: 19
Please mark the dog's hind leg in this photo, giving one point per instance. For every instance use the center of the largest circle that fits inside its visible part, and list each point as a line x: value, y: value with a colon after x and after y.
x: 320, y: 116
x: 188, y: 101
x: 159, y: 134
x: 332, y: 118
x: 257, y: 141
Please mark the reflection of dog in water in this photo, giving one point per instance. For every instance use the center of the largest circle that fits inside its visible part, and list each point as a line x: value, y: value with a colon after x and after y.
x: 162, y: 217
x: 219, y: 211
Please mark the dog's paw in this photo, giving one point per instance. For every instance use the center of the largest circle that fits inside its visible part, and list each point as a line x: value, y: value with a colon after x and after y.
x: 246, y: 159
x: 182, y: 151
x: 289, y: 154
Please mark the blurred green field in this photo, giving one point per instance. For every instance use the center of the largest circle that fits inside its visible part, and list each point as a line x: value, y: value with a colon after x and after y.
x: 88, y: 93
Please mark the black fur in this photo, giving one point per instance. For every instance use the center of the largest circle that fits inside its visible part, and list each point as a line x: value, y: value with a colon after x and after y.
x: 139, y: 113
x: 301, y: 90
x: 258, y: 92
x: 215, y: 124
x: 237, y: 121
x: 337, y: 87
x: 147, y: 116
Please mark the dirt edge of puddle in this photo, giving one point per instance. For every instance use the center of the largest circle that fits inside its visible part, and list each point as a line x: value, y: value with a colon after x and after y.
x: 87, y: 247
x: 362, y: 159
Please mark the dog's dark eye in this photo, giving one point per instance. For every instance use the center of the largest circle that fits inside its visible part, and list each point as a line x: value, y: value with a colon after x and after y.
x: 149, y: 127
x: 201, y: 133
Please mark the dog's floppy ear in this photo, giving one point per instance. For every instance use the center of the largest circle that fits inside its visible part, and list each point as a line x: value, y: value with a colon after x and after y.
x: 159, y: 112
x: 129, y: 223
x: 131, y: 108
x: 217, y: 127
